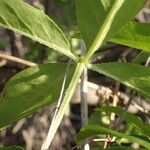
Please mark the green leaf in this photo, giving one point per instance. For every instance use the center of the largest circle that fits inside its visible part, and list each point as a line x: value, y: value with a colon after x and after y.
x: 132, y: 75
x: 30, y: 90
x: 99, y: 118
x: 67, y: 10
x: 20, y: 17
x: 134, y: 34
x: 128, y: 117
x: 141, y: 58
x: 93, y: 17
x: 11, y: 148
x: 115, y: 148
x: 120, y: 148
x: 95, y: 130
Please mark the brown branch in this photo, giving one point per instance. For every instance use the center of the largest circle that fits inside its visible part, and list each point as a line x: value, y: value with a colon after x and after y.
x: 16, y: 59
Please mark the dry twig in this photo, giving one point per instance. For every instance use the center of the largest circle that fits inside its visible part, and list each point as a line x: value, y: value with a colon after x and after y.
x: 16, y: 59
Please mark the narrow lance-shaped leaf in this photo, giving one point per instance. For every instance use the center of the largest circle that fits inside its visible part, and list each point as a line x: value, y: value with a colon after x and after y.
x: 30, y: 90
x: 135, y: 121
x: 97, y: 127
x: 95, y: 130
x: 18, y: 16
x: 132, y: 75
x: 134, y: 34
x: 114, y: 148
x: 93, y: 16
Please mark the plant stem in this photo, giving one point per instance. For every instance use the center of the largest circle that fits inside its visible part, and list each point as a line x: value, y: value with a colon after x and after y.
x: 54, y: 126
x: 103, y: 31
x: 61, y: 93
x: 79, y: 69
x: 84, y: 104
x: 83, y: 90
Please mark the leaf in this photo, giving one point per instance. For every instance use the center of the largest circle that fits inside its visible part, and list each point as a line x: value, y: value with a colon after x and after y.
x: 132, y: 75
x: 30, y: 90
x: 93, y: 130
x: 20, y: 17
x: 11, y: 148
x: 96, y: 128
x: 93, y: 16
x: 141, y: 58
x: 99, y: 118
x: 67, y: 10
x: 120, y: 148
x: 128, y: 117
x: 134, y: 34
x: 115, y: 148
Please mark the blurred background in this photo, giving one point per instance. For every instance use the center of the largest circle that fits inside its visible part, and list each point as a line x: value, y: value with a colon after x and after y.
x: 30, y: 132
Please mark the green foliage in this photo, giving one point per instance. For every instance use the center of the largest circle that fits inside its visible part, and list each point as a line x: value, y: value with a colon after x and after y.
x: 34, y: 24
x: 30, y: 90
x: 95, y: 130
x: 11, y: 148
x: 66, y: 7
x: 136, y: 35
x: 98, y: 22
x: 92, y: 16
x: 141, y: 58
x: 132, y: 75
x: 92, y: 130
x: 115, y: 148
x: 128, y: 117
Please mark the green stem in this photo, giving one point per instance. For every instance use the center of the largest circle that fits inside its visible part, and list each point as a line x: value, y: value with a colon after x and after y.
x: 71, y: 55
x: 103, y: 31
x: 53, y: 128
x: 79, y: 69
